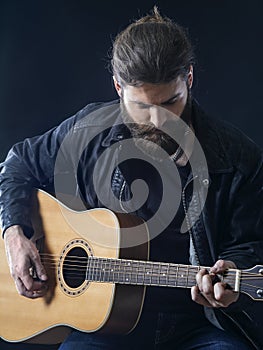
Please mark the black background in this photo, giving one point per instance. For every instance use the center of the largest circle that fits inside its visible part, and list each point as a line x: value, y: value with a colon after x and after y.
x: 54, y: 56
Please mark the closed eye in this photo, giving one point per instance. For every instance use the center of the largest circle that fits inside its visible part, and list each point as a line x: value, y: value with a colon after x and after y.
x: 171, y: 102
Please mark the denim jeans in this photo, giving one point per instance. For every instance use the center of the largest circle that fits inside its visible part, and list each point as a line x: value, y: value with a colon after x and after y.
x: 207, y: 338
x: 160, y: 332
x: 25, y: 346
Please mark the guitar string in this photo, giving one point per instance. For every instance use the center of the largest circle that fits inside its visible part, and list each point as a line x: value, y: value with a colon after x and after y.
x: 130, y: 270
x: 170, y: 282
x: 178, y: 282
x: 250, y: 285
x: 96, y: 273
x: 55, y: 257
x: 122, y: 262
x: 68, y: 262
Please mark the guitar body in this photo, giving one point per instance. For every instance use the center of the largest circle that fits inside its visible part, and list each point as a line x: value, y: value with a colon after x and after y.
x: 98, y: 275
x: 73, y: 301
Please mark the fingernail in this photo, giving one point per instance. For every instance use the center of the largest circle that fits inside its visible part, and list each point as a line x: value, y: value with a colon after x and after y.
x: 43, y: 277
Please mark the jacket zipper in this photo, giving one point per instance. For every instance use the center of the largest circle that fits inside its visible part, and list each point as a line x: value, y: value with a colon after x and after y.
x: 120, y: 196
x: 185, y: 211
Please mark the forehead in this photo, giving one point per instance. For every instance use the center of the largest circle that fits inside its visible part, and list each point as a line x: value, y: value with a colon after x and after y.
x: 154, y: 93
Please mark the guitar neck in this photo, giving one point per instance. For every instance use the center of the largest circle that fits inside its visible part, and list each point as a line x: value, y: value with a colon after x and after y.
x: 148, y: 273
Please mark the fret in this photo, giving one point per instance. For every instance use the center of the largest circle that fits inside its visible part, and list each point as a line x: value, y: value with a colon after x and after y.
x: 144, y: 272
x: 152, y: 274
x: 141, y: 273
x: 136, y: 274
x: 137, y: 271
x: 148, y: 273
x: 91, y: 268
x: 164, y: 270
x: 127, y: 274
x: 172, y: 275
x: 88, y: 269
x: 106, y: 270
x: 187, y: 276
x: 101, y: 274
x: 134, y: 269
x: 192, y: 278
x: 113, y: 270
x: 167, y: 275
x: 177, y: 274
x: 159, y: 273
x: 97, y: 271
x: 102, y: 269
x: 121, y: 272
x: 155, y: 274
x: 181, y: 280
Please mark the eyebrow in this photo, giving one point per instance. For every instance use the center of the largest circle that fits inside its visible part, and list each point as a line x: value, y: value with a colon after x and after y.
x: 146, y: 105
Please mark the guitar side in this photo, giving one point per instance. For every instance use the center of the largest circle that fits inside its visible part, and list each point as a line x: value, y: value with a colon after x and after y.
x: 86, y: 306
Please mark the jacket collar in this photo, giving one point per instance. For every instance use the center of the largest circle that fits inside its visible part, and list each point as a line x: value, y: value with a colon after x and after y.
x: 118, y: 131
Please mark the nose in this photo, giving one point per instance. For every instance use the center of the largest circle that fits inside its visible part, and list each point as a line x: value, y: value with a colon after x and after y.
x: 157, y: 116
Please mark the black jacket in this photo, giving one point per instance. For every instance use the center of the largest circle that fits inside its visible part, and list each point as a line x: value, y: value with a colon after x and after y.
x: 226, y: 224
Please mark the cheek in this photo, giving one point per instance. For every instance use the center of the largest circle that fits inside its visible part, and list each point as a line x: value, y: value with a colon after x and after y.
x: 178, y: 107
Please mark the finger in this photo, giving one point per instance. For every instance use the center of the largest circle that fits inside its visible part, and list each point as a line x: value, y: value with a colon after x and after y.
x: 224, y: 296
x: 198, y: 297
x: 219, y: 291
x: 206, y: 288
x: 40, y: 271
x: 39, y: 268
x: 32, y: 294
x: 208, y: 291
x: 27, y: 280
x: 222, y: 265
x: 30, y: 283
x: 199, y: 278
x: 204, y: 281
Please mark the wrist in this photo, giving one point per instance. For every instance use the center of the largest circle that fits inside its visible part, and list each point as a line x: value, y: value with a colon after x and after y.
x: 13, y: 230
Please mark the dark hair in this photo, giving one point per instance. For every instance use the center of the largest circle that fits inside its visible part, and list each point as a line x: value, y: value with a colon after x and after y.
x: 153, y: 49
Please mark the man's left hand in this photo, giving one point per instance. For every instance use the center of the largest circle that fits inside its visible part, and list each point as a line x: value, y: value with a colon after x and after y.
x: 211, y: 294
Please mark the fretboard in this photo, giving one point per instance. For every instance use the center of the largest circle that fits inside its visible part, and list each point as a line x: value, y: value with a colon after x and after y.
x: 148, y: 273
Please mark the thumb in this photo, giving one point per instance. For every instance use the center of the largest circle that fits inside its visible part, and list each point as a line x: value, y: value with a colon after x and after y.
x: 40, y: 270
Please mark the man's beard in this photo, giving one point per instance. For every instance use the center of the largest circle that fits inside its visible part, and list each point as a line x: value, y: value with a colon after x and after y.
x: 153, y: 141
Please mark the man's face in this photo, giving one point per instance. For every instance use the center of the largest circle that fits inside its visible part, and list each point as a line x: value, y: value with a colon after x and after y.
x: 154, y: 108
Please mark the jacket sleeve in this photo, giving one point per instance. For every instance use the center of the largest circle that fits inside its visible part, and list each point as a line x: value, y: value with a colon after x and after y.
x: 29, y: 164
x: 243, y: 238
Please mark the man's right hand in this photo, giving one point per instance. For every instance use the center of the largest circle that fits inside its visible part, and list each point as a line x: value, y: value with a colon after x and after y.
x: 23, y: 258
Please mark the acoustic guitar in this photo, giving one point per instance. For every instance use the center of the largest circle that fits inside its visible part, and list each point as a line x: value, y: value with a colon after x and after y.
x: 93, y: 281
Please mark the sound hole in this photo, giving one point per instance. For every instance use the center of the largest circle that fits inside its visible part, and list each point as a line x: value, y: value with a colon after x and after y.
x: 75, y: 266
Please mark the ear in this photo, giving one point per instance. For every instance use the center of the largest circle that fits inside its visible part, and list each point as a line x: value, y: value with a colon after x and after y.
x: 117, y: 86
x: 190, y: 77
